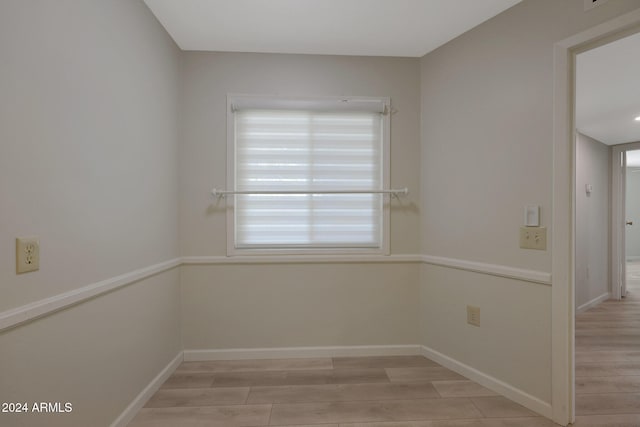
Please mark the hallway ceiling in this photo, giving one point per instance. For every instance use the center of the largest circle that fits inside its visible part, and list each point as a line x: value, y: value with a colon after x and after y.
x: 608, y: 91
x: 332, y: 27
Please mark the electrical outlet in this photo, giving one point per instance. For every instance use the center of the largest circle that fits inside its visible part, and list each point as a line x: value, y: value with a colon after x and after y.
x: 590, y: 4
x: 473, y: 315
x: 27, y: 255
x: 533, y: 238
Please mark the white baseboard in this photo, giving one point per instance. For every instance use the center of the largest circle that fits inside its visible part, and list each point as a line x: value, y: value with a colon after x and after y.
x: 500, y: 387
x: 141, y: 399
x: 301, y: 352
x: 598, y: 300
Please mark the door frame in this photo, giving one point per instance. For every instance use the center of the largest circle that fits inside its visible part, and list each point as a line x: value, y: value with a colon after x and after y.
x: 618, y: 188
x: 564, y: 206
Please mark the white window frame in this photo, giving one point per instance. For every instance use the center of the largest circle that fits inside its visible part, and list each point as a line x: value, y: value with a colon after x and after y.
x: 233, y: 100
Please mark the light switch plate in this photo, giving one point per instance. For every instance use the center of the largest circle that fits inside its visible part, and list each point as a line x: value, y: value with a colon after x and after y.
x: 27, y: 254
x: 533, y: 238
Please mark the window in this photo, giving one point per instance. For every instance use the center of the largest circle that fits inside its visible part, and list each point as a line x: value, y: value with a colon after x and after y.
x: 309, y: 164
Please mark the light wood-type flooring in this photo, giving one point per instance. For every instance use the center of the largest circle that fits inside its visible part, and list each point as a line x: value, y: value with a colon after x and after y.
x: 402, y: 391
x: 397, y: 391
x: 608, y: 360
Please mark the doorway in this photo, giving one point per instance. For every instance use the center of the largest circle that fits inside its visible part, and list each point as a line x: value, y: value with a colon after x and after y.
x: 563, y: 208
x: 607, y: 124
x: 604, y: 198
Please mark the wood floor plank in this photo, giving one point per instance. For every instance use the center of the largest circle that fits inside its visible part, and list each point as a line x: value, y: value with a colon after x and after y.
x: 184, y: 397
x: 620, y: 420
x: 610, y: 384
x: 476, y: 422
x: 608, y: 403
x: 603, y: 369
x: 606, y: 356
x: 214, y: 416
x: 256, y: 365
x: 422, y: 374
x: 622, y: 332
x: 188, y: 381
x: 277, y: 378
x: 306, y: 425
x: 369, y: 411
x: 500, y: 407
x: 461, y: 388
x: 382, y: 362
x: 342, y: 393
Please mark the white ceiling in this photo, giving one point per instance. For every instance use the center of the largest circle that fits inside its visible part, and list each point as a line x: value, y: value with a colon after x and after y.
x: 608, y: 91
x: 333, y: 27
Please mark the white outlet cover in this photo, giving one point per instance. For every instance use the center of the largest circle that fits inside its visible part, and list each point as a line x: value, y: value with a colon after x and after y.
x: 27, y: 254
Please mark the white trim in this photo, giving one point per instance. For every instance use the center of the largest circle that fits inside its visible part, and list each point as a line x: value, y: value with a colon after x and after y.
x: 590, y: 304
x: 617, y: 222
x: 473, y: 266
x: 242, y: 101
x: 141, y: 399
x: 562, y: 246
x: 301, y: 352
x: 531, y: 402
x: 47, y: 306
x: 301, y: 259
x: 491, y: 269
x: 618, y: 262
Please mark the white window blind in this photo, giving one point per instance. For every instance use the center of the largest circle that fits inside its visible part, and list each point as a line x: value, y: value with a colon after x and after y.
x: 305, y: 149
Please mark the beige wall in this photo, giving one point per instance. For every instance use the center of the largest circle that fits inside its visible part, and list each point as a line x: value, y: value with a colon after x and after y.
x: 320, y: 306
x: 88, y: 131
x: 592, y: 219
x: 486, y: 153
x: 274, y: 306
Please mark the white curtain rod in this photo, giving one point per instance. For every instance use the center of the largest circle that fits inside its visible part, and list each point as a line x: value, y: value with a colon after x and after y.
x: 394, y: 192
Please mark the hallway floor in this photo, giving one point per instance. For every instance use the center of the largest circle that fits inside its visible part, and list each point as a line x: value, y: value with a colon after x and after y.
x: 608, y: 360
